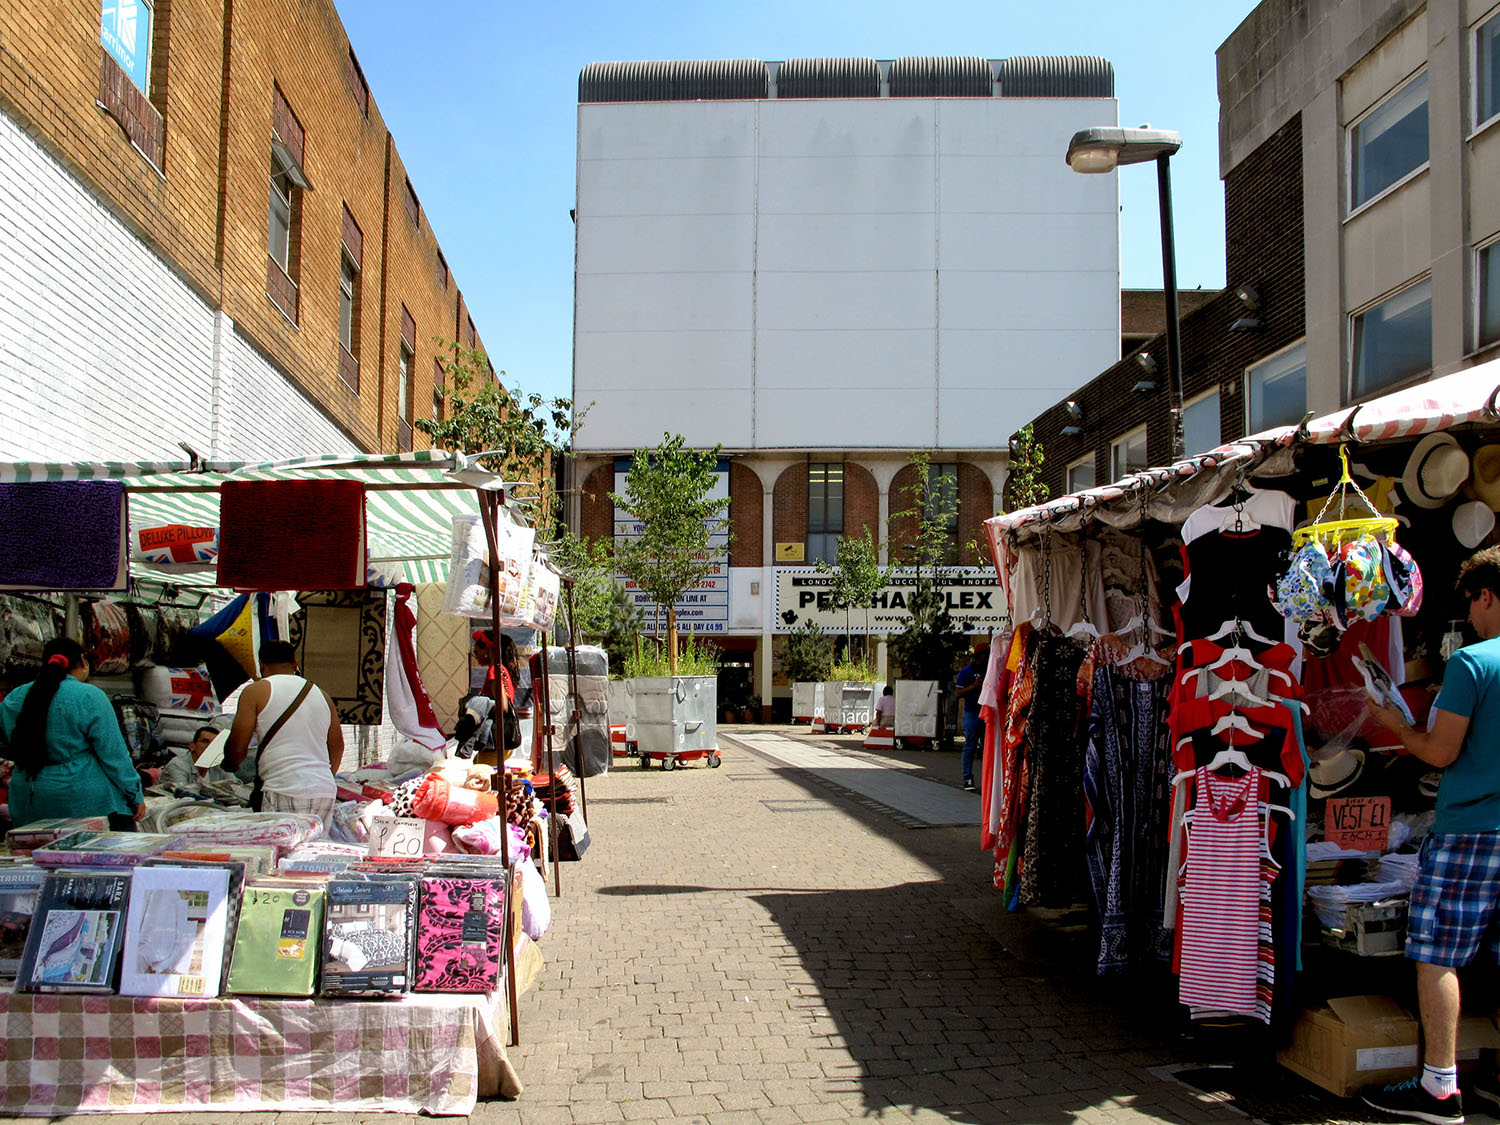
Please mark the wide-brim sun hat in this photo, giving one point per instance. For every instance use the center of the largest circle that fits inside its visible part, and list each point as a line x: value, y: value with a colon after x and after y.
x: 1435, y: 471
x: 1472, y: 523
x: 1333, y: 775
x: 1485, y: 483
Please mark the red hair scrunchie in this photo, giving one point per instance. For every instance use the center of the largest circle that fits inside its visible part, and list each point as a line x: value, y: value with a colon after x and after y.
x: 59, y: 658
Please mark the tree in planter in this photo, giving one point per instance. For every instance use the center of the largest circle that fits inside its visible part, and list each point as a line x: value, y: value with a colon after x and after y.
x: 929, y: 647
x: 807, y: 654
x: 602, y: 608
x: 666, y: 493
x: 522, y: 432
x: 857, y: 578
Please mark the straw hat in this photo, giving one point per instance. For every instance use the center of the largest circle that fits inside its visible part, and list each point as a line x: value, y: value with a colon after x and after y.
x: 1331, y: 776
x: 1472, y: 523
x: 1436, y: 469
x: 1486, y: 481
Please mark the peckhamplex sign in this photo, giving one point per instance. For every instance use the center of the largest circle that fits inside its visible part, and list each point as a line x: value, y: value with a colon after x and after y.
x: 973, y: 594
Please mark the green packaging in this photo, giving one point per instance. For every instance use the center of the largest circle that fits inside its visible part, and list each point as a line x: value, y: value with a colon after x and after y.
x: 278, y: 944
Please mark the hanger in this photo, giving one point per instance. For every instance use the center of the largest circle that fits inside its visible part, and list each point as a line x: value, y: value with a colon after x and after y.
x: 1238, y: 688
x: 1340, y: 530
x: 1240, y: 626
x: 1245, y: 656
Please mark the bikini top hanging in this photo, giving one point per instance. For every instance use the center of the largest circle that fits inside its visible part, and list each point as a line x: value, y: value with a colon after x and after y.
x: 1344, y: 528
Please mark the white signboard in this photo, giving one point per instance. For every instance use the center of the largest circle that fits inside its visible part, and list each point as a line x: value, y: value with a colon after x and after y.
x: 802, y: 593
x: 397, y: 836
x: 704, y: 608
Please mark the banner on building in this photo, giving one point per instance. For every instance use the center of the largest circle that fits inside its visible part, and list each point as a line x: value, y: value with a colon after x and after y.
x: 803, y: 594
x: 704, y: 608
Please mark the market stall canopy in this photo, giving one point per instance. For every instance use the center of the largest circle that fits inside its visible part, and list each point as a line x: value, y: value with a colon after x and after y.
x: 410, y: 502
x: 1171, y: 492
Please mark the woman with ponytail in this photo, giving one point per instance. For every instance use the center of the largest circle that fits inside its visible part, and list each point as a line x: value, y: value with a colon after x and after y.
x: 70, y: 757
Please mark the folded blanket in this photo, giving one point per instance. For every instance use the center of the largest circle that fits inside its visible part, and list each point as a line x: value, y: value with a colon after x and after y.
x: 292, y: 535
x: 63, y: 535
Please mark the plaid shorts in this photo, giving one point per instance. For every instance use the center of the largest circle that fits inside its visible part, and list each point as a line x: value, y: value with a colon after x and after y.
x: 1456, y: 899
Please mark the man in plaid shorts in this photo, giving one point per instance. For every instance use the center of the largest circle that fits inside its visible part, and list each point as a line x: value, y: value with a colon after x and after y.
x: 1454, y: 904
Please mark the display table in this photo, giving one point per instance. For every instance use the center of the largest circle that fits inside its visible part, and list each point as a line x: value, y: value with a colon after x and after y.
x: 432, y: 1053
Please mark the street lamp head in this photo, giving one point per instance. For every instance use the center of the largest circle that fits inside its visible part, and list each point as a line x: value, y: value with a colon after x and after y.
x: 1104, y: 149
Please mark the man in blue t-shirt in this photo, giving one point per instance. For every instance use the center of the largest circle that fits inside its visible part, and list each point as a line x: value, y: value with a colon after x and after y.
x: 1455, y: 906
x: 967, y: 687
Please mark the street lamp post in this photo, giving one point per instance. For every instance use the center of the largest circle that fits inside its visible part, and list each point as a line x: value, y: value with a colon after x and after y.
x: 1105, y: 149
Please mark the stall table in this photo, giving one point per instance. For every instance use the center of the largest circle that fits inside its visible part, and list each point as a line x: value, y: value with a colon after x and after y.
x: 434, y: 1053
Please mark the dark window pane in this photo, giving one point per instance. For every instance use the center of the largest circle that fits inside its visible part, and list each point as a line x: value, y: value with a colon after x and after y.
x: 1390, y: 142
x: 1393, y: 340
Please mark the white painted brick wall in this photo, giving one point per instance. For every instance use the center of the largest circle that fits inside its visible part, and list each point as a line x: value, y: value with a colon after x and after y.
x: 105, y: 354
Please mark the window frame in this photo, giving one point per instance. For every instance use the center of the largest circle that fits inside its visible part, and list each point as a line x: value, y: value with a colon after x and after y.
x: 1351, y: 394
x: 1250, y: 426
x: 150, y: 6
x: 350, y: 292
x: 1476, y: 126
x: 1492, y: 243
x: 825, y: 533
x: 1116, y: 469
x: 1351, y: 209
x: 406, y: 358
x: 1093, y: 465
x: 289, y: 199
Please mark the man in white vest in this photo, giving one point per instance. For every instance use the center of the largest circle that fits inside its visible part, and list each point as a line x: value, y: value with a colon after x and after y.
x: 300, y: 741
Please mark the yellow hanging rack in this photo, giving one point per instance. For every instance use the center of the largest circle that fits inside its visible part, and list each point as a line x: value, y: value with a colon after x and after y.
x: 1339, y: 531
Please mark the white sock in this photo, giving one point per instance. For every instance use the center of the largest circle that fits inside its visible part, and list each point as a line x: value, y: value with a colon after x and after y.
x: 1440, y: 1081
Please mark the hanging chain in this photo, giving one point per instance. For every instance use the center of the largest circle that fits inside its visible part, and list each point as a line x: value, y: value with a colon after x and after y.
x: 1239, y: 501
x: 1047, y: 575
x: 1141, y: 589
x: 1083, y: 573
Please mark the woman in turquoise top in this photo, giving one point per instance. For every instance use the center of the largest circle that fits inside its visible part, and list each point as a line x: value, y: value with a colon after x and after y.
x: 70, y: 757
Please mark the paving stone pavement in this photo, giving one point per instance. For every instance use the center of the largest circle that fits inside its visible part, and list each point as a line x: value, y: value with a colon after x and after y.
x: 749, y: 945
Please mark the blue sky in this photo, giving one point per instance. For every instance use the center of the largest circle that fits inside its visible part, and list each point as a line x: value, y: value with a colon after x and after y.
x: 482, y: 100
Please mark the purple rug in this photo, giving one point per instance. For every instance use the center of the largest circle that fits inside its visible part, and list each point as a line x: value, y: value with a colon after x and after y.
x: 63, y: 535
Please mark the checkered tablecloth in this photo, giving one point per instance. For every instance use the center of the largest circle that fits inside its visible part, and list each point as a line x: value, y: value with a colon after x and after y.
x: 417, y: 1053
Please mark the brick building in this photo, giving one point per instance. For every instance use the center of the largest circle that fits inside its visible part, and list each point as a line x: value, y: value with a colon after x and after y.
x: 1376, y: 123
x: 208, y: 237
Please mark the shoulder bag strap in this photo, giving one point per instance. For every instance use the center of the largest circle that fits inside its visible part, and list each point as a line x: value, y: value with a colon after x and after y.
x: 276, y: 726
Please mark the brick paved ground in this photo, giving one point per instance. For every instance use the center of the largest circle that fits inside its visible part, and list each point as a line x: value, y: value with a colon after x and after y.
x: 744, y: 945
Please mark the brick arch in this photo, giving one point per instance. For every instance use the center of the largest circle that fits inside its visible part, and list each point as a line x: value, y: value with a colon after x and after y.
x: 861, y: 501
x: 975, y: 505
x: 596, y: 519
x: 747, y: 503
x: 789, y: 505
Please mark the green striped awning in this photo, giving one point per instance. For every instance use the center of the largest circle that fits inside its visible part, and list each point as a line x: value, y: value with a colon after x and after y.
x: 410, y: 499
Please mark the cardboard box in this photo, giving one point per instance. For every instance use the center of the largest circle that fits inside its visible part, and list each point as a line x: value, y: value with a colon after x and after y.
x: 1359, y: 1041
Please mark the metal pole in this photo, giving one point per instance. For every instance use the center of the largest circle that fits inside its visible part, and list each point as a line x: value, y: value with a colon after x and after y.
x: 552, y: 782
x: 576, y: 718
x: 1169, y: 291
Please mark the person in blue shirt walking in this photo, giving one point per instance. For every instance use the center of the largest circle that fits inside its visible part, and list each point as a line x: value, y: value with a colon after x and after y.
x: 1455, y: 906
x: 967, y: 687
x: 70, y: 757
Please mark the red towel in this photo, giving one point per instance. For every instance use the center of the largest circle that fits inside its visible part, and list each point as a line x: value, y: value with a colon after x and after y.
x: 292, y: 535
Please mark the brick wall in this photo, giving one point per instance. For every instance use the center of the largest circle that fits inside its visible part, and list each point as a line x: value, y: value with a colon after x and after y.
x: 789, y: 505
x: 746, y: 516
x: 1263, y: 235
x: 596, y: 513
x: 975, y: 505
x: 199, y: 202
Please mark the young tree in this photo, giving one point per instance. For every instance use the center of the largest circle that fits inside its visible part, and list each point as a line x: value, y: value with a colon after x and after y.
x: 807, y: 654
x: 930, y: 646
x: 523, y: 432
x: 602, y: 608
x: 857, y: 578
x: 666, y: 492
x: 1023, y: 485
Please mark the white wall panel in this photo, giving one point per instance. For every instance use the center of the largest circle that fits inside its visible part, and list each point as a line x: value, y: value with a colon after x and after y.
x: 106, y: 354
x: 853, y: 300
x: 1020, y: 126
x: 800, y: 185
x: 815, y: 416
x: 626, y: 302
x: 1013, y: 359
x: 1028, y: 241
x: 851, y: 127
x: 876, y: 360
x: 666, y: 244
x: 1054, y: 301
x: 665, y: 130
x: 971, y: 419
x: 663, y: 361
x: 704, y: 418
x: 1028, y: 184
x: 847, y: 242
x: 685, y: 186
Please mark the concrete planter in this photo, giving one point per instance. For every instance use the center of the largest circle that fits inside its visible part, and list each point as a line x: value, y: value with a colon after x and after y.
x: 807, y: 701
x: 673, y: 715
x: 847, y: 704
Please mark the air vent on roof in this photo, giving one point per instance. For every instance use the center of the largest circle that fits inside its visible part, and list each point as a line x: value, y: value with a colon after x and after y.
x: 828, y: 78
x: 942, y: 78
x: 1057, y: 76
x: 675, y: 81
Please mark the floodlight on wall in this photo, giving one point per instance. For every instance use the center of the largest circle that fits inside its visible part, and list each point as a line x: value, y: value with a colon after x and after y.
x: 1146, y: 362
x: 1070, y: 431
x: 1075, y: 411
x: 1245, y: 324
x: 1247, y: 296
x: 1144, y: 387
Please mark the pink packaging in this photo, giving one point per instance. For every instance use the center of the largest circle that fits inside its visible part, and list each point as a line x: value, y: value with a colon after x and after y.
x: 460, y: 930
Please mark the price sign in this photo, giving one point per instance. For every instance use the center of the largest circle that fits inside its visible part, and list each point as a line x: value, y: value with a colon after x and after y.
x: 1361, y: 824
x: 397, y: 836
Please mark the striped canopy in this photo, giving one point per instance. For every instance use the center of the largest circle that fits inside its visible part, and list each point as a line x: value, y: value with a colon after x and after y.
x: 410, y: 499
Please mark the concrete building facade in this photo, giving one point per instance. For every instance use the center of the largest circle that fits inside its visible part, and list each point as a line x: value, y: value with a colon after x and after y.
x: 826, y: 265
x: 207, y: 236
